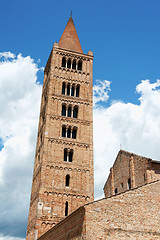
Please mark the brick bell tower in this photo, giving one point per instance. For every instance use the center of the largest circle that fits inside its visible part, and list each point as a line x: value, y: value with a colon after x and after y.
x: 63, y: 170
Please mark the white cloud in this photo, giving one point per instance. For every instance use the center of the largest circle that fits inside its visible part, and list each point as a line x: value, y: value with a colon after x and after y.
x: 2, y: 237
x: 100, y: 91
x: 135, y: 127
x: 19, y: 108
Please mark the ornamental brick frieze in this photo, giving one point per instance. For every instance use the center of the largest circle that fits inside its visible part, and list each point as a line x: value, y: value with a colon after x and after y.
x: 71, y: 80
x: 68, y: 143
x: 71, y: 71
x: 66, y: 195
x: 67, y: 168
x: 66, y: 119
x: 76, y: 56
x: 67, y: 100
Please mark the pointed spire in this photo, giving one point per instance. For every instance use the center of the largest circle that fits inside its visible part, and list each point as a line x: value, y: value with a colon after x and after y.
x: 69, y: 39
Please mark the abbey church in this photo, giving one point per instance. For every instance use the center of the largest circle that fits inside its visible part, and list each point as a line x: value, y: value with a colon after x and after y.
x: 62, y: 202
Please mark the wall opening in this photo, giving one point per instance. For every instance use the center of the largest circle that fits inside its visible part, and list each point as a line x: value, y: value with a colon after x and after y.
x: 71, y: 155
x: 74, y: 133
x: 65, y: 154
x: 74, y: 64
x: 69, y: 111
x: 63, y: 62
x: 67, y: 180
x: 69, y: 133
x: 77, y: 90
x: 66, y: 208
x: 75, y: 112
x: 129, y: 183
x: 63, y: 110
x: 80, y: 65
x: 63, y: 131
x: 63, y: 88
x: 68, y: 89
x: 69, y: 63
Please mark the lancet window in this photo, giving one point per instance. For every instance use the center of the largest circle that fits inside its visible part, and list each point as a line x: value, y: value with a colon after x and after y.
x: 69, y: 132
x: 66, y: 208
x: 68, y: 155
x: 72, y: 63
x: 70, y: 89
x: 69, y: 111
x: 67, y: 180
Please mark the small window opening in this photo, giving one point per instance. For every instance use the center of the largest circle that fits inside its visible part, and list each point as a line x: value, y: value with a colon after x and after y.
x: 74, y: 133
x: 63, y: 131
x: 77, y: 91
x: 63, y: 62
x: 144, y: 177
x: 69, y: 133
x: 74, y: 64
x: 73, y: 90
x: 70, y: 155
x: 69, y: 63
x: 75, y: 112
x: 68, y: 89
x: 80, y: 65
x: 63, y: 87
x: 129, y: 183
x: 66, y: 208
x: 122, y: 184
x: 65, y: 154
x: 67, y: 180
x: 69, y: 111
x: 63, y: 110
x: 116, y: 190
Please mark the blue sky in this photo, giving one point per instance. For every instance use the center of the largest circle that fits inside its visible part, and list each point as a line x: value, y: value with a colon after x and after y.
x: 124, y: 36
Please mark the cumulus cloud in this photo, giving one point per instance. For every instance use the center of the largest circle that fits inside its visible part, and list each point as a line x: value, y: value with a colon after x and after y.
x: 135, y: 128
x: 100, y: 92
x: 20, y: 103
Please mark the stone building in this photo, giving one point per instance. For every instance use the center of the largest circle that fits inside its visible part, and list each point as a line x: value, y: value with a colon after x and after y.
x: 63, y: 169
x: 62, y: 204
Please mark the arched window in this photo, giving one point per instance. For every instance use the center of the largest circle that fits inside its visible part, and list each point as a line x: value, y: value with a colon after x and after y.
x: 63, y: 88
x: 116, y: 190
x: 74, y: 64
x: 74, y: 133
x: 67, y: 180
x: 69, y: 63
x: 69, y: 133
x: 80, y: 65
x: 65, y: 154
x: 75, y: 112
x: 77, y: 90
x: 70, y: 155
x: 129, y: 183
x: 63, y: 131
x: 63, y: 110
x: 69, y: 111
x: 73, y: 90
x: 66, y: 208
x: 68, y: 89
x: 63, y: 62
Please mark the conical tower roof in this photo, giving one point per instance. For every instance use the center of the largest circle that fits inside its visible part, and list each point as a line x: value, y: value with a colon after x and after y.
x: 69, y: 39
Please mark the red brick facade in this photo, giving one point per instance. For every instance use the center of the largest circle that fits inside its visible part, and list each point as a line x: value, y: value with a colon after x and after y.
x: 63, y: 168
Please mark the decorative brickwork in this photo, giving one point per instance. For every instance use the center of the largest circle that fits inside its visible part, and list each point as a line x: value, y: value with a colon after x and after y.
x: 63, y: 169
